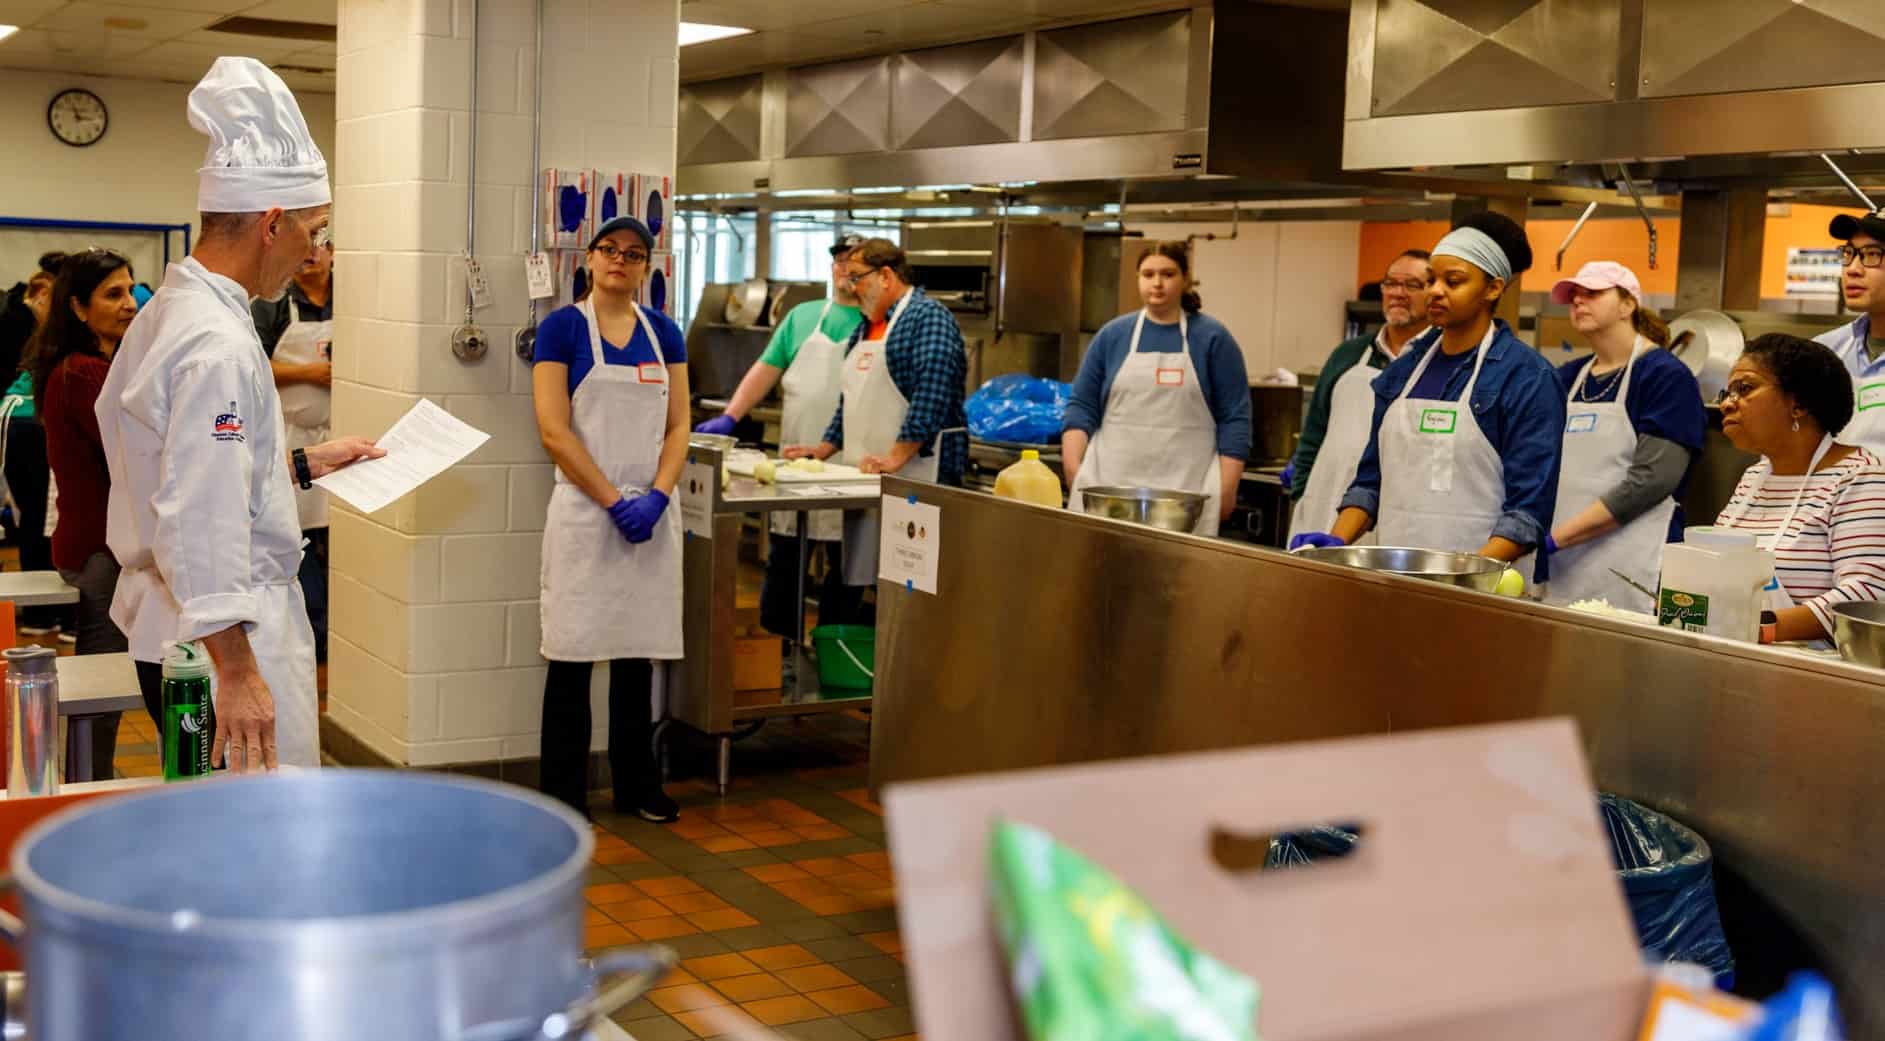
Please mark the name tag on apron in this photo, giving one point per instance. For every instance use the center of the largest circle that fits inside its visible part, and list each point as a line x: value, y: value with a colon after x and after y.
x: 864, y: 361
x: 651, y: 372
x: 1582, y: 423
x: 1170, y: 377
x: 1439, y: 420
x: 1871, y: 395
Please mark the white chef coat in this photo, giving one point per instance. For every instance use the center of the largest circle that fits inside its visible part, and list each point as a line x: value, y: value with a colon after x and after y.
x: 201, y: 512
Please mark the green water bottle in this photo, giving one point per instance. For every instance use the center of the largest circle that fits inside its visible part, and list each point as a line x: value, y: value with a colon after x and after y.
x: 189, y: 712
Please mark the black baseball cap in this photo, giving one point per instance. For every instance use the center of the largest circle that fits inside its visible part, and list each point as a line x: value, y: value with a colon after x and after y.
x: 625, y: 224
x: 845, y: 244
x: 1845, y: 226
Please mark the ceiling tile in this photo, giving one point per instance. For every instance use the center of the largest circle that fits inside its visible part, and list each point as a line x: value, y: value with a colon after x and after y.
x: 899, y: 28
x: 215, y: 6
x: 742, y: 53
x: 772, y: 15
x: 262, y: 48
x: 326, y: 12
x: 319, y: 57
x: 132, y: 21
x: 26, y: 12
x: 73, y: 47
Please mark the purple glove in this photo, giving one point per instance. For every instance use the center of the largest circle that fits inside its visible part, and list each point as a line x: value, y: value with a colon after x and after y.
x: 1550, y: 546
x: 1315, y: 540
x: 638, y: 522
x: 717, y: 425
x: 621, y: 513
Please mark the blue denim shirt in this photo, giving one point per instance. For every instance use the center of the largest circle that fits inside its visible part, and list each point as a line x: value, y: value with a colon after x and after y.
x: 1518, y: 406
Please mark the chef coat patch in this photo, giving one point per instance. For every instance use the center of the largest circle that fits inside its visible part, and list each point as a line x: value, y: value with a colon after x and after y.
x: 228, y: 426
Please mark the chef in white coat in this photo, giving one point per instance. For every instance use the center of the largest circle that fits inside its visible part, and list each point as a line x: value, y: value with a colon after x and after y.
x: 610, y: 387
x: 201, y: 512
x: 1162, y: 399
x: 805, y: 358
x: 1861, y: 343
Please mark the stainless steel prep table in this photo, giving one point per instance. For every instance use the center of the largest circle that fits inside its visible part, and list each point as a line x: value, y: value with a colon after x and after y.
x: 700, y: 691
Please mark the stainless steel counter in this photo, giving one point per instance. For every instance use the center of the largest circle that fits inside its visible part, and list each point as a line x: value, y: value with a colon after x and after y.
x: 1061, y: 638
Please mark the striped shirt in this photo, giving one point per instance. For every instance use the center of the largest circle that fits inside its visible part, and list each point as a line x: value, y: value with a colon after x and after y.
x: 1833, y: 551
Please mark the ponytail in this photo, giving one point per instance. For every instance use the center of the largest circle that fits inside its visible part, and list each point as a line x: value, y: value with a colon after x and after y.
x: 1191, y: 301
x: 1651, y: 326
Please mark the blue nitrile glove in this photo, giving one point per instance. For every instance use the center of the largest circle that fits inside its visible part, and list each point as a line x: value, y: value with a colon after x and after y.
x: 1288, y: 475
x: 717, y: 425
x: 1314, y: 540
x: 1550, y: 546
x: 622, y: 513
x: 642, y: 513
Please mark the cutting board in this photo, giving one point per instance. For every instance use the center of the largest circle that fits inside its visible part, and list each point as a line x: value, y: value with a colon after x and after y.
x: 833, y: 473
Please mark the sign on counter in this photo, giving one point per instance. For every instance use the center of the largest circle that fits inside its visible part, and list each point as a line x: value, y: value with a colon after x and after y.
x: 697, y: 488
x: 910, y: 544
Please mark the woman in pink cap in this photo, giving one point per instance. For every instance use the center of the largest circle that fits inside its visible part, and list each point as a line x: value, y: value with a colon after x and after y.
x: 1633, y: 428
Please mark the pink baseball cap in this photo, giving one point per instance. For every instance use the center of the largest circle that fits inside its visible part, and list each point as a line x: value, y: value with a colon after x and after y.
x: 1597, y: 276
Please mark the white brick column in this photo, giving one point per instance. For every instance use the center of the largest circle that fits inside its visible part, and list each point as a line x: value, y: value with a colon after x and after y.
x: 433, y: 610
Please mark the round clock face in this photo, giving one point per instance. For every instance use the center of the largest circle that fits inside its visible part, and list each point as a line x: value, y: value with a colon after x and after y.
x: 77, y: 117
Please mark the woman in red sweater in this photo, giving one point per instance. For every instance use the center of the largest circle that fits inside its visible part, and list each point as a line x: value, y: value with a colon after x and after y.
x: 92, y: 307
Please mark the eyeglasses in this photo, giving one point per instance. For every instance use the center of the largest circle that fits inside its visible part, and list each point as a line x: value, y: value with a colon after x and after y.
x: 1867, y: 256
x: 1739, y: 390
x: 852, y: 278
x: 631, y: 256
x: 1409, y: 286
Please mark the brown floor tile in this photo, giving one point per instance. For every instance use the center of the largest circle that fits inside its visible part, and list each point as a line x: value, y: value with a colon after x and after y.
x: 777, y: 872
x: 719, y: 966
x: 731, y: 812
x: 658, y: 1028
x: 606, y: 936
x: 859, y: 881
x: 755, y: 987
x: 877, y: 899
x: 685, y: 903
x: 882, y: 1023
x: 606, y: 839
x: 777, y: 1011
x: 675, y: 978
x: 802, y: 889
x: 621, y: 855
x: 726, y: 844
x: 843, y: 1001
x: 591, y: 916
x: 716, y: 1022
x: 786, y: 956
x: 686, y: 998
x: 879, y: 862
x: 666, y: 886
x: 889, y: 943
x: 654, y: 929
x: 629, y: 912
x: 843, y: 903
x: 814, y: 977
x: 773, y: 839
x: 871, y: 970
x: 714, y: 921
x: 610, y: 893
x: 861, y: 797
x: 819, y: 832
x: 832, y: 1029
x: 824, y: 867
x: 747, y: 827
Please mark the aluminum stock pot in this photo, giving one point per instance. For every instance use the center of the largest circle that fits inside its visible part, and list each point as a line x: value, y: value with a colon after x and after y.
x: 329, y: 904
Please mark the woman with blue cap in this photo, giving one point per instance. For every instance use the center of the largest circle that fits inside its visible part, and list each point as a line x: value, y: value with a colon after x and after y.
x: 1481, y: 478
x: 614, y: 419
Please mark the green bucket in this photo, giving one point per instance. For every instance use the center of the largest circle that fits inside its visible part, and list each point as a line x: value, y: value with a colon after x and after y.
x: 847, y: 655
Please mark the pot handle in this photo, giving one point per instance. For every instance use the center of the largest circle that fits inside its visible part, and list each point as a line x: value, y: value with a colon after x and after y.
x: 617, y: 976
x: 11, y: 927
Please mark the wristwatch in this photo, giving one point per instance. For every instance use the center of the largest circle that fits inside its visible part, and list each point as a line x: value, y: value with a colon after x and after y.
x: 1770, y: 627
x: 303, y: 476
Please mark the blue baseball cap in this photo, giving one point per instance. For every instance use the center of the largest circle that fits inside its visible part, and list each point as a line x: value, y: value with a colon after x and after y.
x: 625, y: 224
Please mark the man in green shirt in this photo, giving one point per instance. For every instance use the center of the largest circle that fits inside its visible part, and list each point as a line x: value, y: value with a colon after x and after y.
x: 806, y: 355
x: 1335, y: 431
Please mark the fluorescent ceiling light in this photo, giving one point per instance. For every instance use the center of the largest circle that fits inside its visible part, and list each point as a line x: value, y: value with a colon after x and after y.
x: 701, y: 32
x: 8, y: 30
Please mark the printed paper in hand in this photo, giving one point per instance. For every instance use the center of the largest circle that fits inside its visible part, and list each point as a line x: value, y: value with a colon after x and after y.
x: 419, y: 447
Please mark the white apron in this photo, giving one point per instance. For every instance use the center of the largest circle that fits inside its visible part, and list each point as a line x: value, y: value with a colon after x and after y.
x: 1157, y: 430
x: 811, y: 384
x: 305, y: 407
x: 1778, y: 599
x: 1599, y: 445
x: 1866, y: 429
x: 1442, y: 484
x: 874, y: 411
x: 1351, y: 417
x: 603, y: 598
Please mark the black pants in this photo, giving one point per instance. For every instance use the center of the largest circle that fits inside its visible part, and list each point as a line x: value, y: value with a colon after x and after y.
x: 28, y: 478
x: 567, y: 725
x: 98, y: 634
x: 150, y: 683
x: 838, y: 604
x: 314, y: 587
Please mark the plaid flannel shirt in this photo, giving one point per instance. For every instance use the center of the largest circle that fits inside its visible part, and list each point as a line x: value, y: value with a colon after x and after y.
x: 928, y: 363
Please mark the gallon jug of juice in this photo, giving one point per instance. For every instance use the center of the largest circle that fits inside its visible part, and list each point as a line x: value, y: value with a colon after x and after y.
x: 1030, y: 480
x: 1712, y: 583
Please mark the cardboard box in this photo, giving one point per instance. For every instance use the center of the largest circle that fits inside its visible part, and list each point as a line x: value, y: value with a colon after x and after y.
x: 1481, y: 903
x: 615, y: 196
x: 654, y: 204
x: 757, y: 663
x: 569, y: 208
x: 658, y: 289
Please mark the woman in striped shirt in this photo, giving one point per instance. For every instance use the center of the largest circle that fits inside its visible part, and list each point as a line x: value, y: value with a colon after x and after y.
x: 1819, y: 505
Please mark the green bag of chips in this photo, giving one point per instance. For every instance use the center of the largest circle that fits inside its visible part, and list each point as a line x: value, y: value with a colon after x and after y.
x: 1091, y: 961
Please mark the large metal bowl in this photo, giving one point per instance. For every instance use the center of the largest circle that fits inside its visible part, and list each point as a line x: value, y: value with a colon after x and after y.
x: 1155, y: 507
x: 1859, y: 631
x: 1455, y: 569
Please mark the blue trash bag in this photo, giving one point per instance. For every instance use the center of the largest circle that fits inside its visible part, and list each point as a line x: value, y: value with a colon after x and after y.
x: 1668, y: 877
x: 1020, y: 409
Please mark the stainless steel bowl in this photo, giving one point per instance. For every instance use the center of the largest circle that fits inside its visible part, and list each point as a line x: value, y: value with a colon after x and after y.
x: 1859, y: 631
x: 1155, y: 507
x: 1455, y: 569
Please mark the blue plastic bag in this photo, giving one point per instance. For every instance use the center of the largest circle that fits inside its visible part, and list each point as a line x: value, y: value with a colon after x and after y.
x: 1668, y: 877
x: 1019, y: 409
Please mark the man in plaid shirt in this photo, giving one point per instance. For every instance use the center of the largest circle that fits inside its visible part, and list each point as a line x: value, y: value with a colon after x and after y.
x: 924, y: 357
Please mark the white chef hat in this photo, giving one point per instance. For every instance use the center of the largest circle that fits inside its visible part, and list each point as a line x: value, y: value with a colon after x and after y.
x: 260, y: 152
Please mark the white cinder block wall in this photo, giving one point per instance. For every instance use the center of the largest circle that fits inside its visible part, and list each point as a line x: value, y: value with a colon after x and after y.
x: 433, y: 647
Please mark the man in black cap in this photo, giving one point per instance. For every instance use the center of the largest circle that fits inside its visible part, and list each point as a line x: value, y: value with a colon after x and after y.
x: 1861, y: 345
x: 807, y: 355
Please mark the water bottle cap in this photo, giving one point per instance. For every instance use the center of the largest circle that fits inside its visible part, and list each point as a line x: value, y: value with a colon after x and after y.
x: 185, y: 661
x: 35, y: 661
x: 1030, y: 453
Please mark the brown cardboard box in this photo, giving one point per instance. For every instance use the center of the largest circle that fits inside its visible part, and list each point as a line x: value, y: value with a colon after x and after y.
x: 1480, y: 905
x: 756, y: 663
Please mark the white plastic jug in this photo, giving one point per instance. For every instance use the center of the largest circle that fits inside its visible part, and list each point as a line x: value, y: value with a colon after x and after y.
x: 1712, y: 583
x: 1030, y: 480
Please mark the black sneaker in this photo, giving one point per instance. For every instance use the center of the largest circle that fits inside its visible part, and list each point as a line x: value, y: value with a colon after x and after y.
x: 653, y: 806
